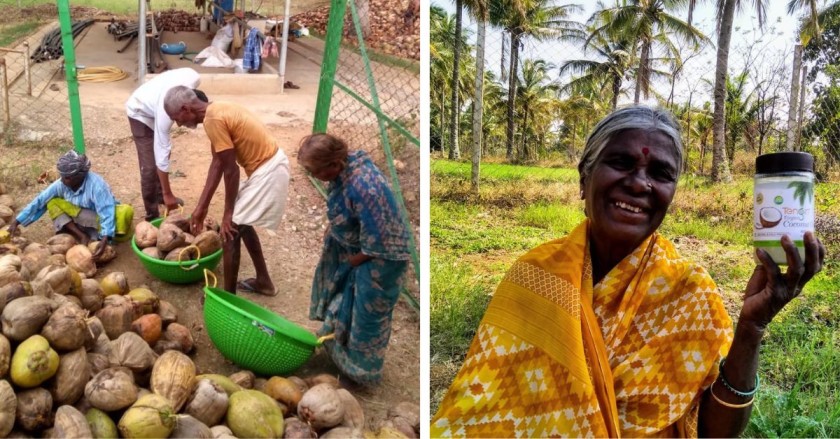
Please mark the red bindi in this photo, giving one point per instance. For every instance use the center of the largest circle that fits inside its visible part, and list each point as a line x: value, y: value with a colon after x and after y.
x: 645, y: 151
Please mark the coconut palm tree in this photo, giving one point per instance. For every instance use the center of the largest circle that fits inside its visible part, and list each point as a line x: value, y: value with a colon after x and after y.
x: 442, y: 42
x: 608, y: 72
x: 649, y: 24
x: 478, y: 10
x: 534, y: 90
x: 454, y: 150
x: 539, y: 20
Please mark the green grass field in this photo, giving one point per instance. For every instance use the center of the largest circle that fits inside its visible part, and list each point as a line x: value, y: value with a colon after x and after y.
x: 475, y: 239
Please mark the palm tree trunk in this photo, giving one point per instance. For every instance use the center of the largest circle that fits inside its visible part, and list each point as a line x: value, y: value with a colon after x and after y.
x: 523, y: 153
x: 511, y: 103
x: 720, y: 168
x: 442, y: 119
x: 643, y: 75
x: 616, y: 89
x: 478, y: 104
x: 454, y: 151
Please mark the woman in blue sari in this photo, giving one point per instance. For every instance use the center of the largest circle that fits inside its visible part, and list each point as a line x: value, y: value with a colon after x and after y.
x: 365, y: 254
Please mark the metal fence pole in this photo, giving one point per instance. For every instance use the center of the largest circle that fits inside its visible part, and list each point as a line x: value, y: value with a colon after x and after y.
x: 332, y: 46
x: 26, y: 68
x: 70, y: 72
x: 3, y: 83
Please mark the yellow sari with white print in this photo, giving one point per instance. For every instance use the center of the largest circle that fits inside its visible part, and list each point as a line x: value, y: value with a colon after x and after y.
x: 556, y: 356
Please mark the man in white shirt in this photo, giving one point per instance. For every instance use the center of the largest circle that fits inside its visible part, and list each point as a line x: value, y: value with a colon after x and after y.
x: 150, y: 127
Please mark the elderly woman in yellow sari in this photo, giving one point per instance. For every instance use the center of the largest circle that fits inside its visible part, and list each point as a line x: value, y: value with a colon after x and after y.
x: 609, y: 331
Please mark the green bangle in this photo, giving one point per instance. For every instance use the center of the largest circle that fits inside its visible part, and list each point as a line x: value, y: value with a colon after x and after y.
x: 732, y: 389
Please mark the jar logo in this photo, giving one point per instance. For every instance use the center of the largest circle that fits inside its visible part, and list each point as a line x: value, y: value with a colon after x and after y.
x: 760, y: 198
x: 778, y: 200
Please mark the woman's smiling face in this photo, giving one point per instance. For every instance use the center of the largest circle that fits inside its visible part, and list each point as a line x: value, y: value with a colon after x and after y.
x: 630, y: 187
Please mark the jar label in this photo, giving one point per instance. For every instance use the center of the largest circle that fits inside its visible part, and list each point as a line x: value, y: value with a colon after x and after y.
x: 783, y: 208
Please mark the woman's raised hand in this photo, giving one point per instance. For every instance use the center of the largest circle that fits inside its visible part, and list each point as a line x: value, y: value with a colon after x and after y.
x: 769, y: 290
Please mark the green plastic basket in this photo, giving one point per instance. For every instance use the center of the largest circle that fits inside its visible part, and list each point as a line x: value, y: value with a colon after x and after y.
x: 254, y: 337
x: 183, y: 272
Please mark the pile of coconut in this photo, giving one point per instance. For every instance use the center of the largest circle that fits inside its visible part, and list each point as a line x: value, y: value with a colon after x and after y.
x: 7, y: 213
x: 173, y: 241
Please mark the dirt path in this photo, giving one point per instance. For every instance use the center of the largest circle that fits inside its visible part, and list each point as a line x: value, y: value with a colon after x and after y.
x: 292, y: 251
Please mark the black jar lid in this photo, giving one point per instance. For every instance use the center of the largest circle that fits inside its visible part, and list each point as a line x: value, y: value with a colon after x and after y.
x: 787, y: 161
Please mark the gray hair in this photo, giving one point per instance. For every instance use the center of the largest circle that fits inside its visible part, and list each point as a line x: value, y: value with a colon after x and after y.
x: 635, y: 117
x: 178, y: 97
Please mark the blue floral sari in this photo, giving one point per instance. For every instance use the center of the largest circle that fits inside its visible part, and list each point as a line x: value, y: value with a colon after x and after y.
x: 356, y: 303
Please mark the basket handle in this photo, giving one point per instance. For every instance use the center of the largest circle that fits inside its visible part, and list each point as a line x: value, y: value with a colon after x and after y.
x: 207, y: 276
x: 321, y: 340
x: 181, y: 255
x: 166, y: 210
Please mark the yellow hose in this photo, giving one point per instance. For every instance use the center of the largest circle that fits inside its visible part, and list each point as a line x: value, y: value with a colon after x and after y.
x: 101, y: 74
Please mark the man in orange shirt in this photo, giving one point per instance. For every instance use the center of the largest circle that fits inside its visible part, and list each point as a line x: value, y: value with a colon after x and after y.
x: 237, y: 138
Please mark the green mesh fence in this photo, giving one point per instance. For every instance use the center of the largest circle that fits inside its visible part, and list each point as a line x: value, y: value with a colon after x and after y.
x: 373, y: 102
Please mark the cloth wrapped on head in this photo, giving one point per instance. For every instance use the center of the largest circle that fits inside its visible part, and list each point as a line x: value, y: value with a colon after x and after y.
x: 73, y: 163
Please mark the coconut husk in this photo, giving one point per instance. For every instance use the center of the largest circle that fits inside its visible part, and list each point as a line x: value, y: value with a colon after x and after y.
x: 35, y: 257
x: 10, y: 249
x: 9, y: 275
x: 145, y: 234
x: 245, y: 378
x: 344, y: 433
x: 164, y: 345
x: 208, y: 242
x: 8, y: 408
x: 12, y: 291
x: 5, y: 356
x: 58, y: 260
x: 71, y: 424
x: 153, y: 252
x: 34, y: 409
x: 300, y: 383
x: 66, y: 328
x: 131, y: 351
x: 97, y: 362
x: 188, y: 238
x: 208, y: 402
x: 170, y: 237
x: 167, y: 312
x: 25, y: 317
x: 408, y: 411
x: 321, y: 407
x: 172, y: 378
x: 146, y: 299
x: 68, y: 383
x: 260, y: 383
x: 151, y: 416
x: 60, y: 243
x: 108, y: 255
x: 94, y: 330
x: 148, y: 327
x: 91, y: 295
x: 80, y: 258
x: 181, y: 334
x: 116, y: 315
x: 187, y: 427
x: 323, y: 378
x: 182, y: 254
x: 294, y: 428
x: 178, y: 220
x: 112, y: 389
x: 62, y: 279
x: 114, y: 284
x: 221, y: 432
x: 254, y: 414
x: 11, y: 259
x: 354, y: 416
x: 102, y: 345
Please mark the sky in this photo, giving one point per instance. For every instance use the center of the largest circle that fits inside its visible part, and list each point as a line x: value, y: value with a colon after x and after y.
x: 771, y: 47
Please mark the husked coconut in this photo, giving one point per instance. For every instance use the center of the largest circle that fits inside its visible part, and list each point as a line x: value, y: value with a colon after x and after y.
x: 145, y: 234
x: 148, y: 327
x: 97, y: 362
x: 170, y: 237
x: 94, y: 330
x: 112, y: 389
x: 8, y: 201
x: 222, y: 381
x: 9, y: 274
x: 5, y: 356
x: 114, y: 283
x: 221, y: 432
x: 108, y: 255
x: 344, y: 433
x: 58, y: 260
x: 25, y: 317
x: 35, y: 258
x: 181, y: 334
x: 284, y: 391
x: 354, y: 416
x: 34, y: 409
x: 188, y: 238
x: 60, y: 243
x: 408, y: 411
x: 12, y: 291
x: 294, y: 428
x: 322, y: 378
x: 164, y: 345
x: 208, y: 402
x: 6, y: 213
x: 167, y: 312
x: 12, y: 260
x: 116, y: 315
x: 300, y: 383
x: 80, y: 259
x: 61, y: 278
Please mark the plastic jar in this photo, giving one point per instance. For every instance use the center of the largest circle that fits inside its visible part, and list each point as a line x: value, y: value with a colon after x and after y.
x: 783, y: 201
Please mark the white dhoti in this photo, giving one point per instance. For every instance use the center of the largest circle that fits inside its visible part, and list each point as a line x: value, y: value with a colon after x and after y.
x: 262, y: 196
